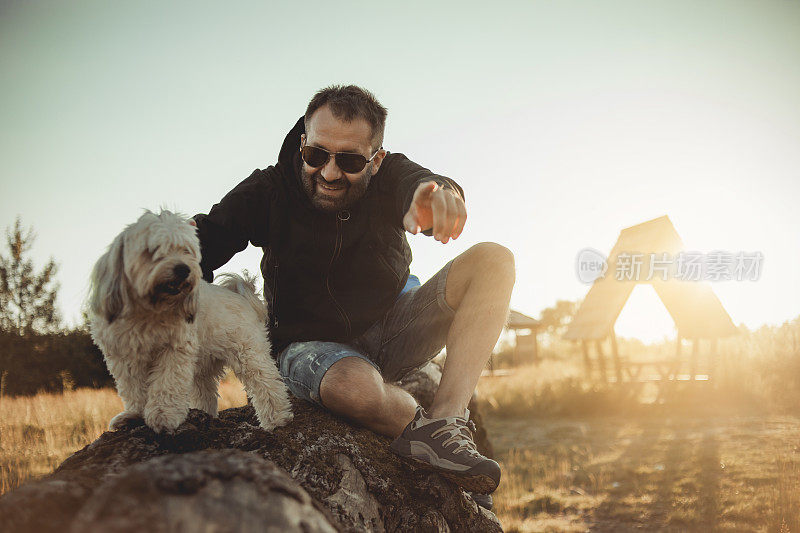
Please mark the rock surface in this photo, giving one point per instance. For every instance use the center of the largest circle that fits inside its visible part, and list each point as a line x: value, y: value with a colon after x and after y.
x: 318, y: 473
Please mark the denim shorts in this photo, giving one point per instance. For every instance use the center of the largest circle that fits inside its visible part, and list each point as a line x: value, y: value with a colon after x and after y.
x: 409, y: 335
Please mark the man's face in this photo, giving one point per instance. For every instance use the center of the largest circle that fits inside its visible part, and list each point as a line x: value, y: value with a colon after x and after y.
x: 329, y: 188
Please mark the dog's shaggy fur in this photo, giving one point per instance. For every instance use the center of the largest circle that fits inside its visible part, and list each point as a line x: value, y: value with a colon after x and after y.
x: 166, y: 334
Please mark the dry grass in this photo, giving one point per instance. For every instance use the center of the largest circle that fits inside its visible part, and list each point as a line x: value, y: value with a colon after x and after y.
x: 621, y: 474
x: 38, y: 432
x: 756, y: 371
x: 581, y: 454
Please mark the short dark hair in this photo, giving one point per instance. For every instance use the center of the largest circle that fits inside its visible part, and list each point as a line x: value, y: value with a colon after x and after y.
x: 348, y: 102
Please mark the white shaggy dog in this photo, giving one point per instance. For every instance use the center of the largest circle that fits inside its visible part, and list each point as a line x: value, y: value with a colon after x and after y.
x: 166, y: 334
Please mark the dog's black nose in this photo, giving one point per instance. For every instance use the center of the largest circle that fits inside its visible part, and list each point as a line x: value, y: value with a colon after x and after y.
x: 181, y: 271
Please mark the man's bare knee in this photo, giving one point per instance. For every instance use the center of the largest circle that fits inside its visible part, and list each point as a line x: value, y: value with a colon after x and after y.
x: 353, y: 388
x: 490, y: 261
x: 494, y: 258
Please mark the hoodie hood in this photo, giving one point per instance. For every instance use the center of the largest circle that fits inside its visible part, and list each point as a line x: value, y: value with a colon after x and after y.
x: 289, y: 163
x: 290, y: 150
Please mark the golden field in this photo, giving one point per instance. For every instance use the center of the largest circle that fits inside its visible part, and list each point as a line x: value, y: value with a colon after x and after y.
x: 38, y: 432
x: 577, y: 454
x: 719, y: 455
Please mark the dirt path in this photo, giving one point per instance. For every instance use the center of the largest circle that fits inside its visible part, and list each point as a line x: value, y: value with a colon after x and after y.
x: 615, y: 474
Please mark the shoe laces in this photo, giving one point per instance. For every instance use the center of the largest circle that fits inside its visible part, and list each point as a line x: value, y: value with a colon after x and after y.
x: 458, y: 433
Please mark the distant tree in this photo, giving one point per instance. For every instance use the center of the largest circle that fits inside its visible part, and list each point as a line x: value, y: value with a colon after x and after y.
x: 556, y: 319
x: 27, y: 298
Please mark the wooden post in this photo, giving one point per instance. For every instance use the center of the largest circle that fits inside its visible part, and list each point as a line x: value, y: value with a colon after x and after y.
x: 712, y: 359
x: 601, y: 360
x: 515, y: 353
x: 677, y: 364
x: 693, y: 362
x: 535, y: 333
x: 615, y: 355
x: 587, y: 362
x: 672, y: 374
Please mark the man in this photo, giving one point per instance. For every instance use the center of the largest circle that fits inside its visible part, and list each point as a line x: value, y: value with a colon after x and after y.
x: 331, y: 216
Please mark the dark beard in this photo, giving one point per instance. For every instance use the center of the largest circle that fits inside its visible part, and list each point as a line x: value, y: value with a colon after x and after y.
x: 353, y: 191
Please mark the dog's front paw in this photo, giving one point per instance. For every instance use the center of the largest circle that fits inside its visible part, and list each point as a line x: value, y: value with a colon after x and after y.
x: 275, y: 419
x: 123, y: 419
x: 161, y: 419
x: 284, y: 418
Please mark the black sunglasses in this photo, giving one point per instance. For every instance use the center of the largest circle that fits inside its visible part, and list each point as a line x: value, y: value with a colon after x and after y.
x: 351, y: 163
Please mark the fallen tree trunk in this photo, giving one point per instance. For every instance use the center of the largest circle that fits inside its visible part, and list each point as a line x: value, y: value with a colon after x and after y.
x: 318, y: 473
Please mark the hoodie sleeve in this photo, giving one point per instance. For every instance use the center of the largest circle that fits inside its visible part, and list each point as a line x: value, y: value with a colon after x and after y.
x: 242, y: 216
x: 400, y: 177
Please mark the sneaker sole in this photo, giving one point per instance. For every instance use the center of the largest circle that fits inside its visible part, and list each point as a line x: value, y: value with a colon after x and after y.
x: 471, y: 482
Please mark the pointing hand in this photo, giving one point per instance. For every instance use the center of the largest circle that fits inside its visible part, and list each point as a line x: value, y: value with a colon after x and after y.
x: 434, y: 207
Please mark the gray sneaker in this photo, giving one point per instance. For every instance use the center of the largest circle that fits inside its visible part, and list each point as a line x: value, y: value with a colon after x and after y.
x: 447, y: 445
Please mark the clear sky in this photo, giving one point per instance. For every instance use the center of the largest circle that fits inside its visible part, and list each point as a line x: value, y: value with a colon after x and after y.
x: 564, y: 122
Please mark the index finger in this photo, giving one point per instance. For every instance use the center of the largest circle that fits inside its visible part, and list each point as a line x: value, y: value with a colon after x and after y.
x: 424, y: 189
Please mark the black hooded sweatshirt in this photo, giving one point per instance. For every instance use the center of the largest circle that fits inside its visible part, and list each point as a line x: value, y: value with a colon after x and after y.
x: 327, y: 276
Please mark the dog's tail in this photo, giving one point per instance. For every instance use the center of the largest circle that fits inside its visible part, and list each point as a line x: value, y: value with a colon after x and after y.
x: 246, y: 286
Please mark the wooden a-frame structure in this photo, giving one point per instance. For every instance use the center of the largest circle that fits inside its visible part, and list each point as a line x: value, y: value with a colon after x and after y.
x: 693, y: 306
